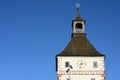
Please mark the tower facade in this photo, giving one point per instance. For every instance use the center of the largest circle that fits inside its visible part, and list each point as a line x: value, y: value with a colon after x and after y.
x: 80, y: 60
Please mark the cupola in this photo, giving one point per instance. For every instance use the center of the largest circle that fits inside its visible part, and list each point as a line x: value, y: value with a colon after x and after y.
x: 78, y: 24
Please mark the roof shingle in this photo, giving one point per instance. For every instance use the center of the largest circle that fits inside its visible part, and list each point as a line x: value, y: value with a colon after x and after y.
x: 79, y: 46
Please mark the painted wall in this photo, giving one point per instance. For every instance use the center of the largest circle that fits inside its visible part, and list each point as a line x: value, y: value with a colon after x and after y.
x: 87, y: 71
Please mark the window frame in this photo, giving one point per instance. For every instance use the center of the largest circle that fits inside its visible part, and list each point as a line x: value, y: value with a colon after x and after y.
x: 67, y: 64
x: 79, y: 26
x: 95, y: 64
x: 92, y: 78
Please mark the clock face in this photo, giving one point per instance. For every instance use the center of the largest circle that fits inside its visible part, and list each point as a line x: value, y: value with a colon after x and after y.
x: 81, y: 64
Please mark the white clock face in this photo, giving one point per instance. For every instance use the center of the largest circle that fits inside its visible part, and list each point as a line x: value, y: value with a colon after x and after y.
x: 81, y: 64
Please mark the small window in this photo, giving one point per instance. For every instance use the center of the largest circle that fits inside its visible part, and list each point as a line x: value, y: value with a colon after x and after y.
x: 67, y: 64
x: 79, y: 26
x: 92, y: 78
x: 95, y: 64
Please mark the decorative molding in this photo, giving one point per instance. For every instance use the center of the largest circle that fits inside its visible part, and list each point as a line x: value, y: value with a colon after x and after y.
x: 87, y: 72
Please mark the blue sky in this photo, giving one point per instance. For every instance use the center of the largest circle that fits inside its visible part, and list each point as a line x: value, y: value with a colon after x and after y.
x: 32, y: 32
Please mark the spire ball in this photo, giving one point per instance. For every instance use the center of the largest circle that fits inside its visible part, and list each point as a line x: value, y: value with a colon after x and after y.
x: 77, y: 4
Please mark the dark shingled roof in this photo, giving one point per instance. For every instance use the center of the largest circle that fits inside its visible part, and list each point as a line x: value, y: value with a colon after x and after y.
x: 79, y: 46
x: 78, y: 17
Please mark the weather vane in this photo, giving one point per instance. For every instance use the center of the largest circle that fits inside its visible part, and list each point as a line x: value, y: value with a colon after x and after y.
x: 77, y: 5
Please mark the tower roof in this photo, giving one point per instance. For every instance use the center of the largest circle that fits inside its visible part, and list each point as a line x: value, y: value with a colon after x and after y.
x: 79, y: 46
x: 78, y: 17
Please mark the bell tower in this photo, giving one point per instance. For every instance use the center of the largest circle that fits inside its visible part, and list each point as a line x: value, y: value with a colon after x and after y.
x: 80, y: 60
x: 78, y: 24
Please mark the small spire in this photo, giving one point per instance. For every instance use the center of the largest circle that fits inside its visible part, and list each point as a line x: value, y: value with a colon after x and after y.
x: 77, y: 5
x: 78, y: 17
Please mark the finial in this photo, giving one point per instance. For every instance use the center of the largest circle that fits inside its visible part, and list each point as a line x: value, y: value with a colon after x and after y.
x: 77, y: 5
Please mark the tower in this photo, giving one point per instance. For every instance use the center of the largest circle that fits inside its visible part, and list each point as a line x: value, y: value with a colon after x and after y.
x: 80, y: 60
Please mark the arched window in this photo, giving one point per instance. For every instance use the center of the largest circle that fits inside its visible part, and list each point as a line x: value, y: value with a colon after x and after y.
x: 79, y: 26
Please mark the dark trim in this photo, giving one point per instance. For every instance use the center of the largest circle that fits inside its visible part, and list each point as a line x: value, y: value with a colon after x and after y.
x: 56, y: 63
x: 81, y: 56
x: 78, y: 20
x: 78, y: 34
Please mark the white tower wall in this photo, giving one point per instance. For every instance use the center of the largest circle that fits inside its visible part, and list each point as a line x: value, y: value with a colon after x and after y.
x: 86, y: 72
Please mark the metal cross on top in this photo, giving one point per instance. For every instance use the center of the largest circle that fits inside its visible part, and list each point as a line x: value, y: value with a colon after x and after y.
x: 77, y: 5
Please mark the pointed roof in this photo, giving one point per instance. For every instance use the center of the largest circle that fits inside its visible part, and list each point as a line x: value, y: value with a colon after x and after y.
x: 79, y: 46
x: 78, y: 17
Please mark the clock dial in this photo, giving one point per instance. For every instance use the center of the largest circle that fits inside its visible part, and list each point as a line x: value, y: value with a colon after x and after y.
x: 81, y: 63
